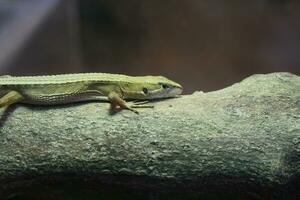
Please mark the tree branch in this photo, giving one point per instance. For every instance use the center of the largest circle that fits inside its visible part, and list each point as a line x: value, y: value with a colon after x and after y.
x: 244, y: 139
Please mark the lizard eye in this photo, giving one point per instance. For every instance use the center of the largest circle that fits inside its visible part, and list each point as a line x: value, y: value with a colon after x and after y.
x: 145, y: 90
x: 164, y: 86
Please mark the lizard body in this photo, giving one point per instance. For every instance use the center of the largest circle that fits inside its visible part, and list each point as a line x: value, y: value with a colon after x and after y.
x: 67, y: 88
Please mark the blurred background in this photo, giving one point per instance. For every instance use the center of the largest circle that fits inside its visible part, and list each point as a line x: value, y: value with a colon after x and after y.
x: 202, y: 44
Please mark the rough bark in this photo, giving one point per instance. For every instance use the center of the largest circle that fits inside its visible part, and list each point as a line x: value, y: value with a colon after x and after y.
x: 243, y: 141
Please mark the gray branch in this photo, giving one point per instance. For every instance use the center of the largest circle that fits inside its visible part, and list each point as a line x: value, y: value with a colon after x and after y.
x: 244, y: 139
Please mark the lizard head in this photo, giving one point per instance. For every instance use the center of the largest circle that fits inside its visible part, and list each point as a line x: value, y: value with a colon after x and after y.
x: 153, y: 87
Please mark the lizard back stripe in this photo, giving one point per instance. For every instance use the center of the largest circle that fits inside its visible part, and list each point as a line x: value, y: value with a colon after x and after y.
x: 70, y: 78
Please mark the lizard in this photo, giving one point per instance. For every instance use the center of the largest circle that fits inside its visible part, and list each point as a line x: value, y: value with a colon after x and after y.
x: 117, y: 89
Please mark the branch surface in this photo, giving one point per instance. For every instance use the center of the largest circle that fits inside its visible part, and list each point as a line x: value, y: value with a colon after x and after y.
x: 243, y: 137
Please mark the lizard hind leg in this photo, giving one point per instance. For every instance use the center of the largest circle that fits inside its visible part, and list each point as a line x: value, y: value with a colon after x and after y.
x: 10, y: 98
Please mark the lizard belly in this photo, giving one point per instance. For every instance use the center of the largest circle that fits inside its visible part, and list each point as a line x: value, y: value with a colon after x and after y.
x: 63, y: 98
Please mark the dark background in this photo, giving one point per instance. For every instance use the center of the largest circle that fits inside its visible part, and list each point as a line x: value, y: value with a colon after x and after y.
x: 202, y: 44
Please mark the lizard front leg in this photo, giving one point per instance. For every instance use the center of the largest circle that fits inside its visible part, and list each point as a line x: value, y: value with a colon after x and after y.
x: 10, y: 98
x: 116, y: 100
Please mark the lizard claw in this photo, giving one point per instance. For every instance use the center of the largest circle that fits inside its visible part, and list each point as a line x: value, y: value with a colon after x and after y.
x: 138, y: 102
x: 140, y: 105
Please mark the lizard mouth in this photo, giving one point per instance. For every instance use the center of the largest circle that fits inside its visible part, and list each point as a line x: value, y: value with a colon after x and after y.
x: 167, y: 93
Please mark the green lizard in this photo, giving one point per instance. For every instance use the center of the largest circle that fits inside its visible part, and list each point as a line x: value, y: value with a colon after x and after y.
x: 67, y: 88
